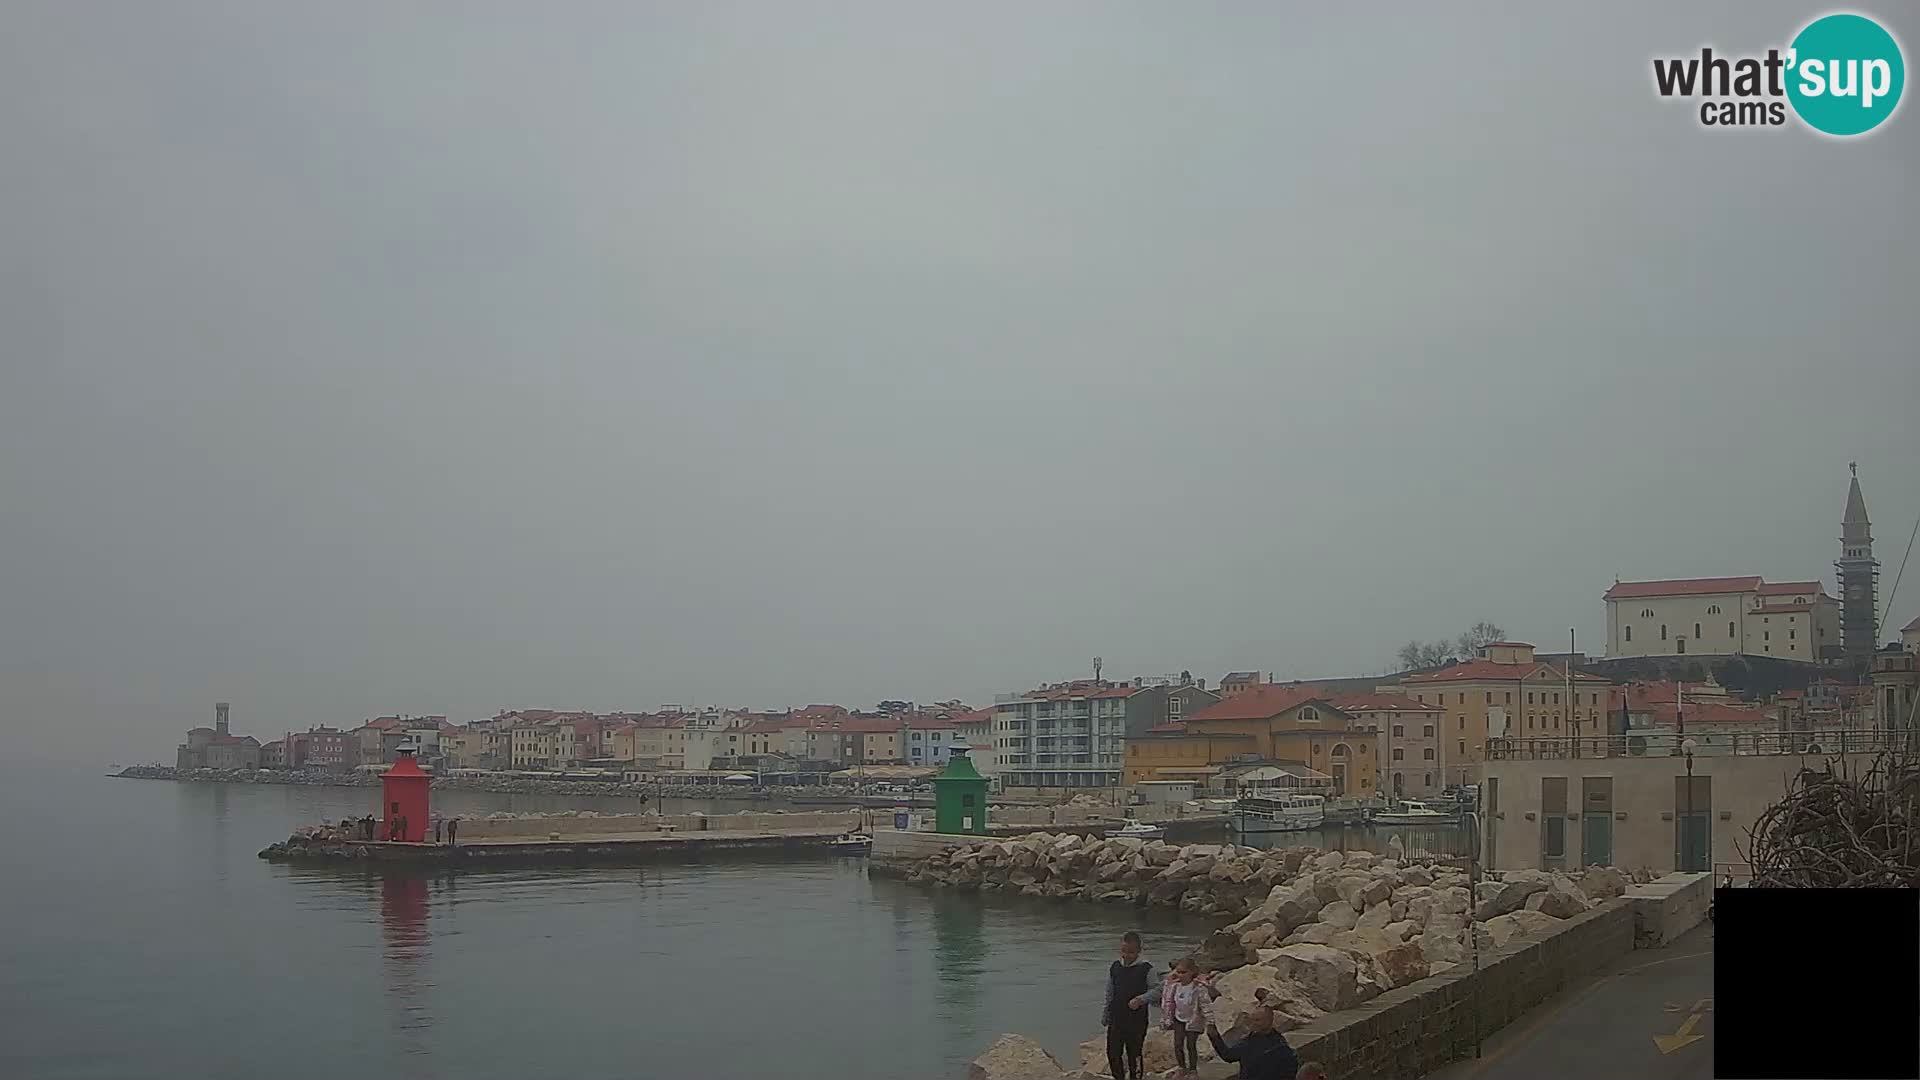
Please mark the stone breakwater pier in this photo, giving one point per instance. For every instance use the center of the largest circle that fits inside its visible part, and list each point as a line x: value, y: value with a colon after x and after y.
x: 1375, y: 966
x: 577, y: 840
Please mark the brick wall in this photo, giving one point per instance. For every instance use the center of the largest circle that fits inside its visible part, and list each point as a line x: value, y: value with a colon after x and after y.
x: 1404, y: 1034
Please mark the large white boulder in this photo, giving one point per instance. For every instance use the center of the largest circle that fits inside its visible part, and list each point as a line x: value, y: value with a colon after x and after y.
x: 1015, y: 1057
x: 1326, y: 975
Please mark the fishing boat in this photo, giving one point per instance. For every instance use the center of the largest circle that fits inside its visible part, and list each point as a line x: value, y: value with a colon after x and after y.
x: 1140, y: 830
x: 852, y: 843
x: 1412, y: 813
x: 1279, y: 813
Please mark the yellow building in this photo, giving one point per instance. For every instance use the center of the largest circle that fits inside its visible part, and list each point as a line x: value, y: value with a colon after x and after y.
x: 1506, y: 693
x: 1261, y: 723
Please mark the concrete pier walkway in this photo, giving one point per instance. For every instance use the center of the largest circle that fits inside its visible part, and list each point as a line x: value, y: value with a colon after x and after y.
x: 1648, y: 1015
x: 597, y: 848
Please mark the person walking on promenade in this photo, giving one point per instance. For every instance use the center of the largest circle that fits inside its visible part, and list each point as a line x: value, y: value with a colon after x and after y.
x: 1263, y: 1054
x: 1183, y: 1010
x: 1130, y: 989
x: 453, y: 832
x: 438, y: 825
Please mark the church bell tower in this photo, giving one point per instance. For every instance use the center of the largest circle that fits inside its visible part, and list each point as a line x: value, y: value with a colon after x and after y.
x: 1859, y: 576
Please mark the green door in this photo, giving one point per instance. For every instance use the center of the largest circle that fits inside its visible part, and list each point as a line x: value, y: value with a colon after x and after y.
x: 1597, y: 834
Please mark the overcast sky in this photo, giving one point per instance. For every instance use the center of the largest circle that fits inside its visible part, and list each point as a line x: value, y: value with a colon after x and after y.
x: 438, y: 358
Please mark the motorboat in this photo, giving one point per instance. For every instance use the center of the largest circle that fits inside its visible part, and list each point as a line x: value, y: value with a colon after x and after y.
x: 851, y: 842
x: 1140, y: 830
x: 1279, y: 813
x: 1412, y: 813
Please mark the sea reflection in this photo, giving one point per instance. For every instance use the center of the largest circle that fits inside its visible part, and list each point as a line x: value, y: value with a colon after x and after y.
x: 960, y: 960
x: 403, y: 920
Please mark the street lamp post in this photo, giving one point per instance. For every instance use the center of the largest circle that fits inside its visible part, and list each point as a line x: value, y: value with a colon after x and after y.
x: 1687, y: 747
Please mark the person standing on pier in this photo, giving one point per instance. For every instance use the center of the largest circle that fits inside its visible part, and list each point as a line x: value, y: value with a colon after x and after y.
x: 453, y: 832
x: 437, y: 826
x: 1130, y: 989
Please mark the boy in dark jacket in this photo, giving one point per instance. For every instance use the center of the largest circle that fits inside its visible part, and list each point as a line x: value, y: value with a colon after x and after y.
x: 1264, y: 1054
x: 1131, y: 987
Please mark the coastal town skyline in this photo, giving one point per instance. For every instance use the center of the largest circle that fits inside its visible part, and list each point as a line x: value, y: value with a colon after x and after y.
x: 1597, y: 647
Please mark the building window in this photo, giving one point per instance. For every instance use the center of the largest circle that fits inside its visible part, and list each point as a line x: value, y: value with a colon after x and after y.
x: 1428, y: 782
x: 1646, y: 613
x: 1729, y: 628
x: 1696, y: 629
x: 1427, y: 731
x: 1174, y: 705
x: 1766, y: 635
x: 1713, y: 610
x: 1427, y: 753
x: 1489, y: 697
x: 1663, y: 631
x: 1399, y: 731
x: 1556, y: 699
x: 1529, y: 697
x: 1399, y: 754
x: 1463, y: 747
x: 1463, y: 699
x: 1308, y: 713
x: 1629, y: 633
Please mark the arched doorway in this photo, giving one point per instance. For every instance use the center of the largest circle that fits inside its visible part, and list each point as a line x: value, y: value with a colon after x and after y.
x: 1341, y: 759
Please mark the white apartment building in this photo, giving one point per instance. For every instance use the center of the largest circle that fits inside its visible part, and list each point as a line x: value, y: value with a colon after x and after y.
x: 1790, y: 620
x: 1068, y: 735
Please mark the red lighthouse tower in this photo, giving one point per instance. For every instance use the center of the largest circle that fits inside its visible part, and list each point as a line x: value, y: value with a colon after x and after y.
x: 404, y: 798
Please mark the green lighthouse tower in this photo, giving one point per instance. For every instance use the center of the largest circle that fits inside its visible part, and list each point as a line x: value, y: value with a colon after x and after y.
x: 960, y: 797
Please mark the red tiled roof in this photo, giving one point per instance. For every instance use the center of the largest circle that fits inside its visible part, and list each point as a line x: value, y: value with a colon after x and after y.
x: 1701, y: 712
x: 1623, y: 590
x: 1790, y: 588
x: 974, y: 717
x: 1179, y: 728
x: 929, y: 723
x: 766, y: 727
x: 1260, y: 702
x: 1508, y: 645
x: 1240, y: 676
x: 1380, y: 703
x: 865, y: 725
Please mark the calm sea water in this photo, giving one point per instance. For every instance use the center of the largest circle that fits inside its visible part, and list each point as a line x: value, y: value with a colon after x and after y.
x: 144, y: 938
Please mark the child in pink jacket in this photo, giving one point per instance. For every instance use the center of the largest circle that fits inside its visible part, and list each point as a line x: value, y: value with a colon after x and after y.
x: 1184, y: 1002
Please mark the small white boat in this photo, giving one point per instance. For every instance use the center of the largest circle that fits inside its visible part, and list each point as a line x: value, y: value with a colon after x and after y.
x: 1412, y: 813
x: 851, y: 842
x: 1282, y: 813
x: 1139, y: 829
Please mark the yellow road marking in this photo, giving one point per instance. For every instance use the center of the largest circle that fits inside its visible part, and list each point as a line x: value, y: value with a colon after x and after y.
x: 1685, y: 1036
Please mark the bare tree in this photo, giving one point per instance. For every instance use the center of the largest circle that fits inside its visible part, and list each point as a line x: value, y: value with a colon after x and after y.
x: 1415, y: 654
x: 1477, y: 637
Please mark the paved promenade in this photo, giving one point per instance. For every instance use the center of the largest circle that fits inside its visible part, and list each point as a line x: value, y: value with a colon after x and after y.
x: 1648, y: 1016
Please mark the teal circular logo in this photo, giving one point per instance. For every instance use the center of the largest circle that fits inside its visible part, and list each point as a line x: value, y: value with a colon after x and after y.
x: 1845, y: 74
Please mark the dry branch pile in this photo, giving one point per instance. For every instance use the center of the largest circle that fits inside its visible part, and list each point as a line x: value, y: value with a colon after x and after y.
x: 1842, y: 828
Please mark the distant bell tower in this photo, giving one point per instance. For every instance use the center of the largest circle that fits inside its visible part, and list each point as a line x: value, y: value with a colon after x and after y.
x: 1859, y: 575
x: 220, y: 717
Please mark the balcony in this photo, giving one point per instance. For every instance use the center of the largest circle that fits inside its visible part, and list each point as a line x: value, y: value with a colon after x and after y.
x: 1706, y: 744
